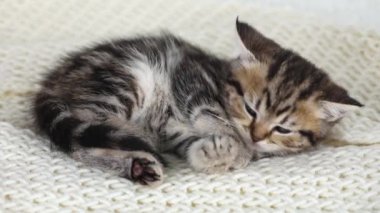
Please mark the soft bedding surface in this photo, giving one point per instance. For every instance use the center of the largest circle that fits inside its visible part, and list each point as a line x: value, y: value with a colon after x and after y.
x: 34, y: 34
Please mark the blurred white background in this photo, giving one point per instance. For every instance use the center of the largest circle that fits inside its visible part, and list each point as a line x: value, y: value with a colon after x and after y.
x: 362, y: 14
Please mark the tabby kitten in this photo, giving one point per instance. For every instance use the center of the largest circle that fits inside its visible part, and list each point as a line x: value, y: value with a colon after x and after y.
x: 288, y: 104
x: 118, y: 105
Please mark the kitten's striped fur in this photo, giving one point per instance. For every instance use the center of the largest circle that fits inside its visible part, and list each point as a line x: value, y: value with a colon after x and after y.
x: 120, y: 104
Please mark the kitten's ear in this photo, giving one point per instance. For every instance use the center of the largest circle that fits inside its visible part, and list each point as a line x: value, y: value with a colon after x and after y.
x: 255, y: 44
x: 338, y: 104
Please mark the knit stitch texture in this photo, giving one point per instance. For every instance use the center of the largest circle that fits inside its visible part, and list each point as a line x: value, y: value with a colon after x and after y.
x: 35, y: 34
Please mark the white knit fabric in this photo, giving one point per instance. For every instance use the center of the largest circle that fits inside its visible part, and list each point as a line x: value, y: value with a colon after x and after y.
x: 34, y: 34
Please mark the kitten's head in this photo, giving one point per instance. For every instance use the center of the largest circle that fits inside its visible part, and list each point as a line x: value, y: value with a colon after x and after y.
x: 289, y: 104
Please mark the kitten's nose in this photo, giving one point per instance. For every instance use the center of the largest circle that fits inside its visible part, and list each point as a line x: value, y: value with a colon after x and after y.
x: 258, y: 132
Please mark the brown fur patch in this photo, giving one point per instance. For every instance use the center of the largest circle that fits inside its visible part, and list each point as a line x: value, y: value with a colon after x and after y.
x: 252, y: 79
x: 306, y: 112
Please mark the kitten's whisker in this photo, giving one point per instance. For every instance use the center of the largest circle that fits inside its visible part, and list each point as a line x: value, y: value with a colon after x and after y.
x: 228, y: 123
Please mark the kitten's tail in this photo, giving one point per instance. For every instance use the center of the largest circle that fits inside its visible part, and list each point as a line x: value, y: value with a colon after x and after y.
x: 54, y: 118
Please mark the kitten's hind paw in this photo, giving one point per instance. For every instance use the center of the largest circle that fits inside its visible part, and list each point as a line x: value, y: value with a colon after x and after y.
x: 138, y: 166
x: 146, y: 172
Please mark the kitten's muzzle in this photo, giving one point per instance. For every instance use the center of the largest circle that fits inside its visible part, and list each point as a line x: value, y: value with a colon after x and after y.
x: 256, y: 139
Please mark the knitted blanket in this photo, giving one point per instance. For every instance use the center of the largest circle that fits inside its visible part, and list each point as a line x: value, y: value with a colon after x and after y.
x: 34, y: 34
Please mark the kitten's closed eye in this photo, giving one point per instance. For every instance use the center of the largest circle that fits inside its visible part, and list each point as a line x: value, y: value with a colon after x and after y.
x: 250, y: 111
x: 281, y: 130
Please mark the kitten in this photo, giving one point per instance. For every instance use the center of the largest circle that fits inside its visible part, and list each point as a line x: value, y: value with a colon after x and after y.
x: 288, y: 104
x: 118, y: 105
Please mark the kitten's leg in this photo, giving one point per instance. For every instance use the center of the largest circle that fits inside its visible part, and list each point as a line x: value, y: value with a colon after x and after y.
x: 200, y: 97
x: 209, y: 145
x: 124, y: 148
x: 223, y: 149
x: 112, y: 144
x: 138, y: 166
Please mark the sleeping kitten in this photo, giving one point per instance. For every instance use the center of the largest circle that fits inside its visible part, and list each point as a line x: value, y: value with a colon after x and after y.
x: 288, y: 104
x: 118, y: 105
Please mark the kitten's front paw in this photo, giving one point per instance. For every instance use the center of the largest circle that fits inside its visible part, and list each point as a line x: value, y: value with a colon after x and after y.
x: 243, y: 159
x: 213, y: 154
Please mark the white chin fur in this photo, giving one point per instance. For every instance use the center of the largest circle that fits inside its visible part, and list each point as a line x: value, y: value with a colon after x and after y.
x: 265, y: 147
